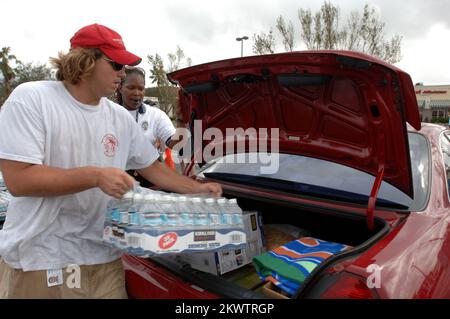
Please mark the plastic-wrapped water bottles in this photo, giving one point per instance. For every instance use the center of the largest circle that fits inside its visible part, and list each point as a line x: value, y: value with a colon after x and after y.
x: 148, y: 221
x: 2, y: 182
x: 5, y: 198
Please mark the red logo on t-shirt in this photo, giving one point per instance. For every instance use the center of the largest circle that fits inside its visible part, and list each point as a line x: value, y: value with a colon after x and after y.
x: 110, y: 143
x: 168, y: 240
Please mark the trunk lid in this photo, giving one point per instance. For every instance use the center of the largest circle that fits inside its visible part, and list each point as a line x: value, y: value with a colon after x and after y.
x: 340, y: 106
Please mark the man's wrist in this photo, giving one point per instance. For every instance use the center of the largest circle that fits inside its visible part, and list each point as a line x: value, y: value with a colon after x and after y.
x: 95, y: 175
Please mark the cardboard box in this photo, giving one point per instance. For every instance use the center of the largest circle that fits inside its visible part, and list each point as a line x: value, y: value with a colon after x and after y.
x: 139, y: 241
x: 223, y: 261
x: 269, y: 289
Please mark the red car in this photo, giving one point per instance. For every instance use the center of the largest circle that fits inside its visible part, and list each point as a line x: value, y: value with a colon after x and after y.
x: 355, y: 166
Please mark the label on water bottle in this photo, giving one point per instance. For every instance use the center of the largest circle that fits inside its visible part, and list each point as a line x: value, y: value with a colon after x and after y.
x: 215, y: 219
x: 124, y: 218
x: 201, y: 219
x: 115, y: 216
x: 134, y: 218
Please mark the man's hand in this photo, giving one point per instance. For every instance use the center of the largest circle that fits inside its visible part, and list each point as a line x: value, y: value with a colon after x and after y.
x: 213, y: 188
x: 114, y: 182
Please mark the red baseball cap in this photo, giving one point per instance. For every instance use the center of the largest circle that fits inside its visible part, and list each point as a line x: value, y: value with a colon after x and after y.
x: 106, y: 40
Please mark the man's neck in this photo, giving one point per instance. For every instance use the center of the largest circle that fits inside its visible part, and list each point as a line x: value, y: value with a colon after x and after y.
x: 82, y: 93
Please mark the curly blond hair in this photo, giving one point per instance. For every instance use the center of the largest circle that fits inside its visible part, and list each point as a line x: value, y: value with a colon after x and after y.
x: 77, y: 64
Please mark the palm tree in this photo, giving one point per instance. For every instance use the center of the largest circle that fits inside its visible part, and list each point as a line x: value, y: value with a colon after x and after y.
x: 8, y: 73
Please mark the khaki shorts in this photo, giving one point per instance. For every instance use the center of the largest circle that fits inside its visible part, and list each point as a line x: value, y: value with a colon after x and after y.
x: 94, y: 281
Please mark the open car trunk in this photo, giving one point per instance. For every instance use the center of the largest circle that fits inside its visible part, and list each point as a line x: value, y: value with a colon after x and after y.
x: 329, y: 225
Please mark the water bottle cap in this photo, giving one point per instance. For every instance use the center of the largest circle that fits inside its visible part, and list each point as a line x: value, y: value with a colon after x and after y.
x: 182, y: 198
x: 128, y: 195
x: 210, y: 200
x: 222, y: 201
x: 138, y: 197
x: 167, y: 198
x: 196, y: 199
x: 149, y: 197
x: 233, y: 201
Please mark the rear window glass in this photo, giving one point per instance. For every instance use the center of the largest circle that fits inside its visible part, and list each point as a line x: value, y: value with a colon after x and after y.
x: 327, y: 180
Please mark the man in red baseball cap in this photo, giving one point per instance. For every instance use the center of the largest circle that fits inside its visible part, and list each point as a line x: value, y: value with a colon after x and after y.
x: 105, y: 39
x: 64, y: 149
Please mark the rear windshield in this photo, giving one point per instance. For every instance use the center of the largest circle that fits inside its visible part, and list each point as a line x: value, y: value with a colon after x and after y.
x: 318, y: 178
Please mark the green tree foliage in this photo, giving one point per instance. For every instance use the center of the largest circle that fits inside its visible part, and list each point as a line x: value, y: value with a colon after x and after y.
x: 440, y: 120
x: 178, y: 60
x: 323, y: 30
x: 8, y: 74
x: 166, y: 92
x: 287, y: 33
x: 26, y: 72
x: 15, y: 72
x: 363, y: 32
x: 264, y: 43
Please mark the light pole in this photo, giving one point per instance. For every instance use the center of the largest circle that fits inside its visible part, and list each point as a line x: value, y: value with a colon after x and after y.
x: 242, y: 43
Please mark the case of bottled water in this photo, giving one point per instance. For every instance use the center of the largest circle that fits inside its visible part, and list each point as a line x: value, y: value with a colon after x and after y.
x: 146, y: 222
x: 5, y: 197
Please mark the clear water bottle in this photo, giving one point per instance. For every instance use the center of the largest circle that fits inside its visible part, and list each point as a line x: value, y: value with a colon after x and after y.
x: 200, y: 213
x: 148, y: 204
x: 112, y: 211
x: 174, y: 217
x: 3, y: 205
x: 136, y: 208
x: 110, y: 205
x: 124, y: 206
x: 225, y: 216
x: 151, y: 214
x: 169, y: 212
x: 235, y: 211
x: 182, y: 205
x: 186, y: 211
x: 196, y: 205
x: 212, y: 207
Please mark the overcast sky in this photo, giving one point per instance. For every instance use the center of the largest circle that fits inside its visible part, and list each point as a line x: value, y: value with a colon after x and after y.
x: 207, y: 29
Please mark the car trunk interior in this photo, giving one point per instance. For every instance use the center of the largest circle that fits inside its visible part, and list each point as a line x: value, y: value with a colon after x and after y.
x: 338, y: 227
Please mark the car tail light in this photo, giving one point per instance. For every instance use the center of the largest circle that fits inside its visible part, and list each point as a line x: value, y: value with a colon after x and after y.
x: 349, y: 287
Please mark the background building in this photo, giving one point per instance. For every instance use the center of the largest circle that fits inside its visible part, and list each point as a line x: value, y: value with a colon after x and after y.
x: 434, y: 102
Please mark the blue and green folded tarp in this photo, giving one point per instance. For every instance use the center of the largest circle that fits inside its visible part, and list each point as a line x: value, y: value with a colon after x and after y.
x: 290, y: 264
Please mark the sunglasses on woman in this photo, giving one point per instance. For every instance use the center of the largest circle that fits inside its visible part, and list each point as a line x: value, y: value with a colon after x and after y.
x: 116, y: 66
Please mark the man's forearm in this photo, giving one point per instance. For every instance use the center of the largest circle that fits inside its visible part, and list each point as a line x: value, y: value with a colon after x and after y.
x: 41, y: 180
x: 162, y: 176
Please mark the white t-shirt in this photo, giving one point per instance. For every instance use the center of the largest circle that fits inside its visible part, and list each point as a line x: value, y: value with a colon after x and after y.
x: 155, y: 123
x: 41, y: 123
